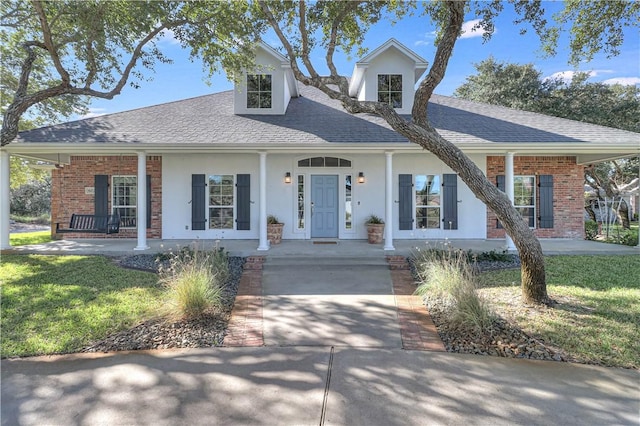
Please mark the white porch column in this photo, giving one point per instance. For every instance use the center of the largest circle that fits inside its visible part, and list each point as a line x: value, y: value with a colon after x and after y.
x: 638, y: 211
x: 508, y: 188
x: 388, y: 214
x: 4, y: 200
x: 263, y: 244
x: 141, y: 215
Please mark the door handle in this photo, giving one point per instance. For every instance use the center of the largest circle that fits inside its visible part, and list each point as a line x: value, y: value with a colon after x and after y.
x: 312, y: 208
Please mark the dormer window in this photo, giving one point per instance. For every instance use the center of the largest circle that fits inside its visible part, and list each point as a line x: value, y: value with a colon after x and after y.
x: 258, y: 91
x: 390, y: 89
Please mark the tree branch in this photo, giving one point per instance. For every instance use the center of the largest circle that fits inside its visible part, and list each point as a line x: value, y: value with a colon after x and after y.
x: 440, y: 61
x: 302, y: 27
x: 48, y: 42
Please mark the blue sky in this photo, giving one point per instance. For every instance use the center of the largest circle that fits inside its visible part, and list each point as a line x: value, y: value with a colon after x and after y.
x: 185, y: 79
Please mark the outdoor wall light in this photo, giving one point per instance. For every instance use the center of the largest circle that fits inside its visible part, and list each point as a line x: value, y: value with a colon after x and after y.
x: 287, y: 177
x: 360, y: 177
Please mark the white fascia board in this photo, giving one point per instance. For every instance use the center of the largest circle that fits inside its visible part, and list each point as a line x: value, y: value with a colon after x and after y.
x: 49, y: 151
x: 357, y: 77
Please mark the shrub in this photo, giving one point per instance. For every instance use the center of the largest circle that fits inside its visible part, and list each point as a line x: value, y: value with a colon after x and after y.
x: 449, y: 275
x: 31, y: 199
x: 194, y: 281
x: 628, y: 238
x: 590, y: 230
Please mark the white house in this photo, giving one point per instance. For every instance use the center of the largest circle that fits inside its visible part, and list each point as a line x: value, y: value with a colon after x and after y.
x: 215, y: 166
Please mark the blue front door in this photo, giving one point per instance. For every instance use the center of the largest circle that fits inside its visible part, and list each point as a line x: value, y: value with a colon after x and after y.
x: 324, y: 206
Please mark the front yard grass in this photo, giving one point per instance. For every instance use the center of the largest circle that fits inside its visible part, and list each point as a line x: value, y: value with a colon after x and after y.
x: 59, y: 304
x: 28, y: 238
x: 597, y: 315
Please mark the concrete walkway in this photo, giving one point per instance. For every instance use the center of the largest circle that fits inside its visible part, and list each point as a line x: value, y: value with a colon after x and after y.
x: 311, y: 386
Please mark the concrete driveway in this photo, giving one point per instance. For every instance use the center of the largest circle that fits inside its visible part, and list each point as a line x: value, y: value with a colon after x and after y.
x: 321, y: 385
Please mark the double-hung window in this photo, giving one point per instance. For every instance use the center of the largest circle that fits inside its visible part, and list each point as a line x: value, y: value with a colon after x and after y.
x: 427, y: 194
x: 524, y: 197
x: 390, y: 89
x: 124, y: 199
x: 258, y: 91
x: 221, y: 201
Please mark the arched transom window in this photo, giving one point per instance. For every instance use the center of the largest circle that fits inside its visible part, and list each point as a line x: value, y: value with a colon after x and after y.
x: 324, y: 162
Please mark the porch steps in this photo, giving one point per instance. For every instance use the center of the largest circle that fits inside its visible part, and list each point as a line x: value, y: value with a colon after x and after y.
x: 325, y: 261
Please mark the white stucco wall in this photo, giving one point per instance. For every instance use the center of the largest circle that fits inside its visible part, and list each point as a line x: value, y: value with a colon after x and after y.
x: 367, y: 198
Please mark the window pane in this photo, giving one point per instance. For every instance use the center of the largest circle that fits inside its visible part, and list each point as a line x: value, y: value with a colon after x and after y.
x: 221, y: 201
x: 383, y: 97
x: 300, y: 202
x: 253, y: 100
x: 317, y: 162
x: 265, y: 100
x: 396, y: 99
x: 345, y: 163
x: 252, y: 83
x: 265, y: 83
x: 124, y: 199
x: 347, y: 202
x: 396, y: 82
x: 383, y: 82
x: 330, y: 162
x: 304, y: 163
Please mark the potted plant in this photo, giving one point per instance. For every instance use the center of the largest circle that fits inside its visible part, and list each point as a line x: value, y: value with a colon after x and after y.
x: 375, y: 229
x: 274, y: 229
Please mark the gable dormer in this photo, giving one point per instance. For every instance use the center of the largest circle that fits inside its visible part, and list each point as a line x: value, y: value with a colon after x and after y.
x: 388, y: 74
x: 267, y: 88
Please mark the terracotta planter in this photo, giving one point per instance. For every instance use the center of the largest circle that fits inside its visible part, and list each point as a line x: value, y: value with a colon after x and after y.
x: 274, y: 232
x: 375, y: 232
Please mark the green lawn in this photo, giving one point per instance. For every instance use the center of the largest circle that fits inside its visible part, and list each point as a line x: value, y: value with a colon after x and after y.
x: 28, y: 238
x: 597, y: 318
x: 59, y: 304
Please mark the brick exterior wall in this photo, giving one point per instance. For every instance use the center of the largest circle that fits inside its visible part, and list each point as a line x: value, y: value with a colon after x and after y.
x: 568, y: 193
x: 68, y: 191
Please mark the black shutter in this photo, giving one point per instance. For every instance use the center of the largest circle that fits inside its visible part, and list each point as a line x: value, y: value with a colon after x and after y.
x: 450, y: 201
x: 243, y: 203
x: 500, y: 182
x: 405, y: 196
x: 148, y: 201
x: 197, y: 202
x: 545, y: 183
x: 101, y: 195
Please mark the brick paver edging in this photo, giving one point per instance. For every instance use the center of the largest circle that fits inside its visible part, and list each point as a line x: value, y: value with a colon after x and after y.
x: 417, y: 330
x: 245, y: 325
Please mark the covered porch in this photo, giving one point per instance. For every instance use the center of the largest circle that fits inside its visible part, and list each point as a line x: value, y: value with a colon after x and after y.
x: 307, y: 248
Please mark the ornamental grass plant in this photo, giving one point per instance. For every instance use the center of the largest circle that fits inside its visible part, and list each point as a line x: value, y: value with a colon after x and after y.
x: 447, y: 274
x: 194, y: 282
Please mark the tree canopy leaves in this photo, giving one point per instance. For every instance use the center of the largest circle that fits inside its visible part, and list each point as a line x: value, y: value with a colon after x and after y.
x: 58, y: 53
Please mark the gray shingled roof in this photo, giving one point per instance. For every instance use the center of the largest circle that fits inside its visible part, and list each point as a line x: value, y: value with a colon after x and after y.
x: 314, y: 119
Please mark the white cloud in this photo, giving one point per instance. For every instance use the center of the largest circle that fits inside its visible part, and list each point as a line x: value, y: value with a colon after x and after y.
x: 94, y: 112
x: 625, y: 81
x: 168, y: 36
x: 427, y: 39
x: 567, y: 76
x: 468, y: 30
